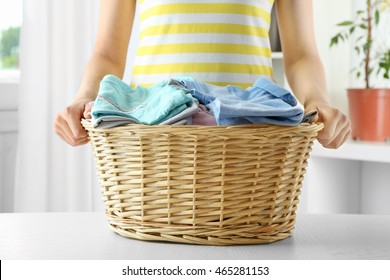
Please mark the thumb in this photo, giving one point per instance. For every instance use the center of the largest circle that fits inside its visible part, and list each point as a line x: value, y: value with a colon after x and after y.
x: 87, y: 110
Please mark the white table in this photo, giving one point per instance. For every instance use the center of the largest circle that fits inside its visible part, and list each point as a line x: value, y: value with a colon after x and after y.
x: 80, y: 236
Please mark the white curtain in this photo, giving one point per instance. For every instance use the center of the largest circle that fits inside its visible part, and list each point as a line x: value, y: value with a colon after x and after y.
x: 56, y: 41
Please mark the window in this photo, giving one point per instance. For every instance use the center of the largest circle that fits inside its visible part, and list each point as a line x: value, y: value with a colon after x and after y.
x: 10, y: 23
x: 11, y: 15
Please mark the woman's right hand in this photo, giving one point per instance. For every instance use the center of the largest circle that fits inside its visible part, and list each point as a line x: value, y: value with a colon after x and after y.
x: 108, y: 57
x: 67, y: 124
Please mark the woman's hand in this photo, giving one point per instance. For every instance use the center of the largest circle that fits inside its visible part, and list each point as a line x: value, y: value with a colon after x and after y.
x: 67, y: 123
x: 108, y: 57
x: 304, y: 69
x: 337, y: 128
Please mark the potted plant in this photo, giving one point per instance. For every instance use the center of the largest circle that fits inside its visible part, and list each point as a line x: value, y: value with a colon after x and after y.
x: 369, y: 106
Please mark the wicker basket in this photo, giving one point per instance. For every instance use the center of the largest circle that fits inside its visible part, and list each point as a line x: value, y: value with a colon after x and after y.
x: 202, y: 185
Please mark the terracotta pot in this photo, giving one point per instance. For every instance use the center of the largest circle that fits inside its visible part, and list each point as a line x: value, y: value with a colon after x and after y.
x: 369, y: 111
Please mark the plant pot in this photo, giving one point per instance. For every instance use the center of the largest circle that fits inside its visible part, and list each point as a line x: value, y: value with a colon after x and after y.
x: 369, y: 111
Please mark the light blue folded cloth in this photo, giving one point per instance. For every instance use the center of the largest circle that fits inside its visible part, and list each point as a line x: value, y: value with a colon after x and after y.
x: 117, y: 103
x: 264, y: 102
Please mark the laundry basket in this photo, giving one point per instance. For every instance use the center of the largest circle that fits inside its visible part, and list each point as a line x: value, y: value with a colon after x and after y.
x: 212, y: 185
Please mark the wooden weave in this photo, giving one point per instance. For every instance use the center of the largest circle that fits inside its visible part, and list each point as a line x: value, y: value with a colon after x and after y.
x: 200, y: 184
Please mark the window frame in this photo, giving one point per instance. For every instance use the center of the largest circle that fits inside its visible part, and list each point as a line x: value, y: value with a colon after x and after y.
x: 10, y: 78
x: 9, y: 89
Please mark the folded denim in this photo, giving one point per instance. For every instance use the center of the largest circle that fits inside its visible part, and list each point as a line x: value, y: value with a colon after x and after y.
x: 264, y: 102
x: 117, y: 103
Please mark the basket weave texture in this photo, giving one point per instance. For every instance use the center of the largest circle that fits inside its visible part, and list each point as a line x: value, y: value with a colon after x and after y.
x: 202, y: 185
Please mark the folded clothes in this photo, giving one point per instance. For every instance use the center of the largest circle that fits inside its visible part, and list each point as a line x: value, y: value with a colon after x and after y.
x: 184, y: 100
x: 309, y: 117
x: 186, y: 114
x: 264, y: 102
x: 204, y: 117
x: 117, y: 103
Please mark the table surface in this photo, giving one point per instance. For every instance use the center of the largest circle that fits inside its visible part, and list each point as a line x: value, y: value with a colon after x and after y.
x: 63, y: 236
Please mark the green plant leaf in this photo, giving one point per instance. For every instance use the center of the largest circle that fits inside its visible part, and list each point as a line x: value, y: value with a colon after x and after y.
x: 345, y: 23
x: 377, y: 17
x: 343, y: 37
x: 385, y: 65
x: 359, y: 38
x: 334, y: 40
x: 357, y: 49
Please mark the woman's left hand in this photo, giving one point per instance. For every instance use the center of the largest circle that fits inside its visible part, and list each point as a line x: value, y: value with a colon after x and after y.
x: 337, y: 128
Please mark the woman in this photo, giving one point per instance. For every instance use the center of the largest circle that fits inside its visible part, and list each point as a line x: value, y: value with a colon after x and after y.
x: 221, y: 42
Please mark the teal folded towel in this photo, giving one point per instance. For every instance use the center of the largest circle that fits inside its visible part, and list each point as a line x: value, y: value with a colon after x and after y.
x: 118, y: 103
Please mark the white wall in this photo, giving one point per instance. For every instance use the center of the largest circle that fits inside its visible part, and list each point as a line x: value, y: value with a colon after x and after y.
x: 337, y: 60
x: 132, y: 48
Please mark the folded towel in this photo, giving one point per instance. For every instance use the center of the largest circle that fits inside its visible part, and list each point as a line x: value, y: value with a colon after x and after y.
x: 117, y: 103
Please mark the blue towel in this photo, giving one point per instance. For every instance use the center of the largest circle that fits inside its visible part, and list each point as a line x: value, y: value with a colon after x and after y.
x: 264, y: 102
x: 117, y: 103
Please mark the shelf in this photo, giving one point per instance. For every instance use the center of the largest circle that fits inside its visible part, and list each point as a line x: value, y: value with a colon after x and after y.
x: 361, y: 151
x: 277, y: 55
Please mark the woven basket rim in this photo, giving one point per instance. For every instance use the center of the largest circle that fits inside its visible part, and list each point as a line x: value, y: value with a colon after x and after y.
x: 315, y: 127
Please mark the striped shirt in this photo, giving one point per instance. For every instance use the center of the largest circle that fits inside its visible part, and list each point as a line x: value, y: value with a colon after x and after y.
x: 222, y: 42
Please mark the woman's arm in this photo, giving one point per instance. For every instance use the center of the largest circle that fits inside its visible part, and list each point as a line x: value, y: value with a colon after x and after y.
x: 304, y: 69
x: 108, y: 57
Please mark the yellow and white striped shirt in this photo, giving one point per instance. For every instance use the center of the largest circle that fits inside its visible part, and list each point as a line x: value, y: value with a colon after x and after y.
x: 222, y: 42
